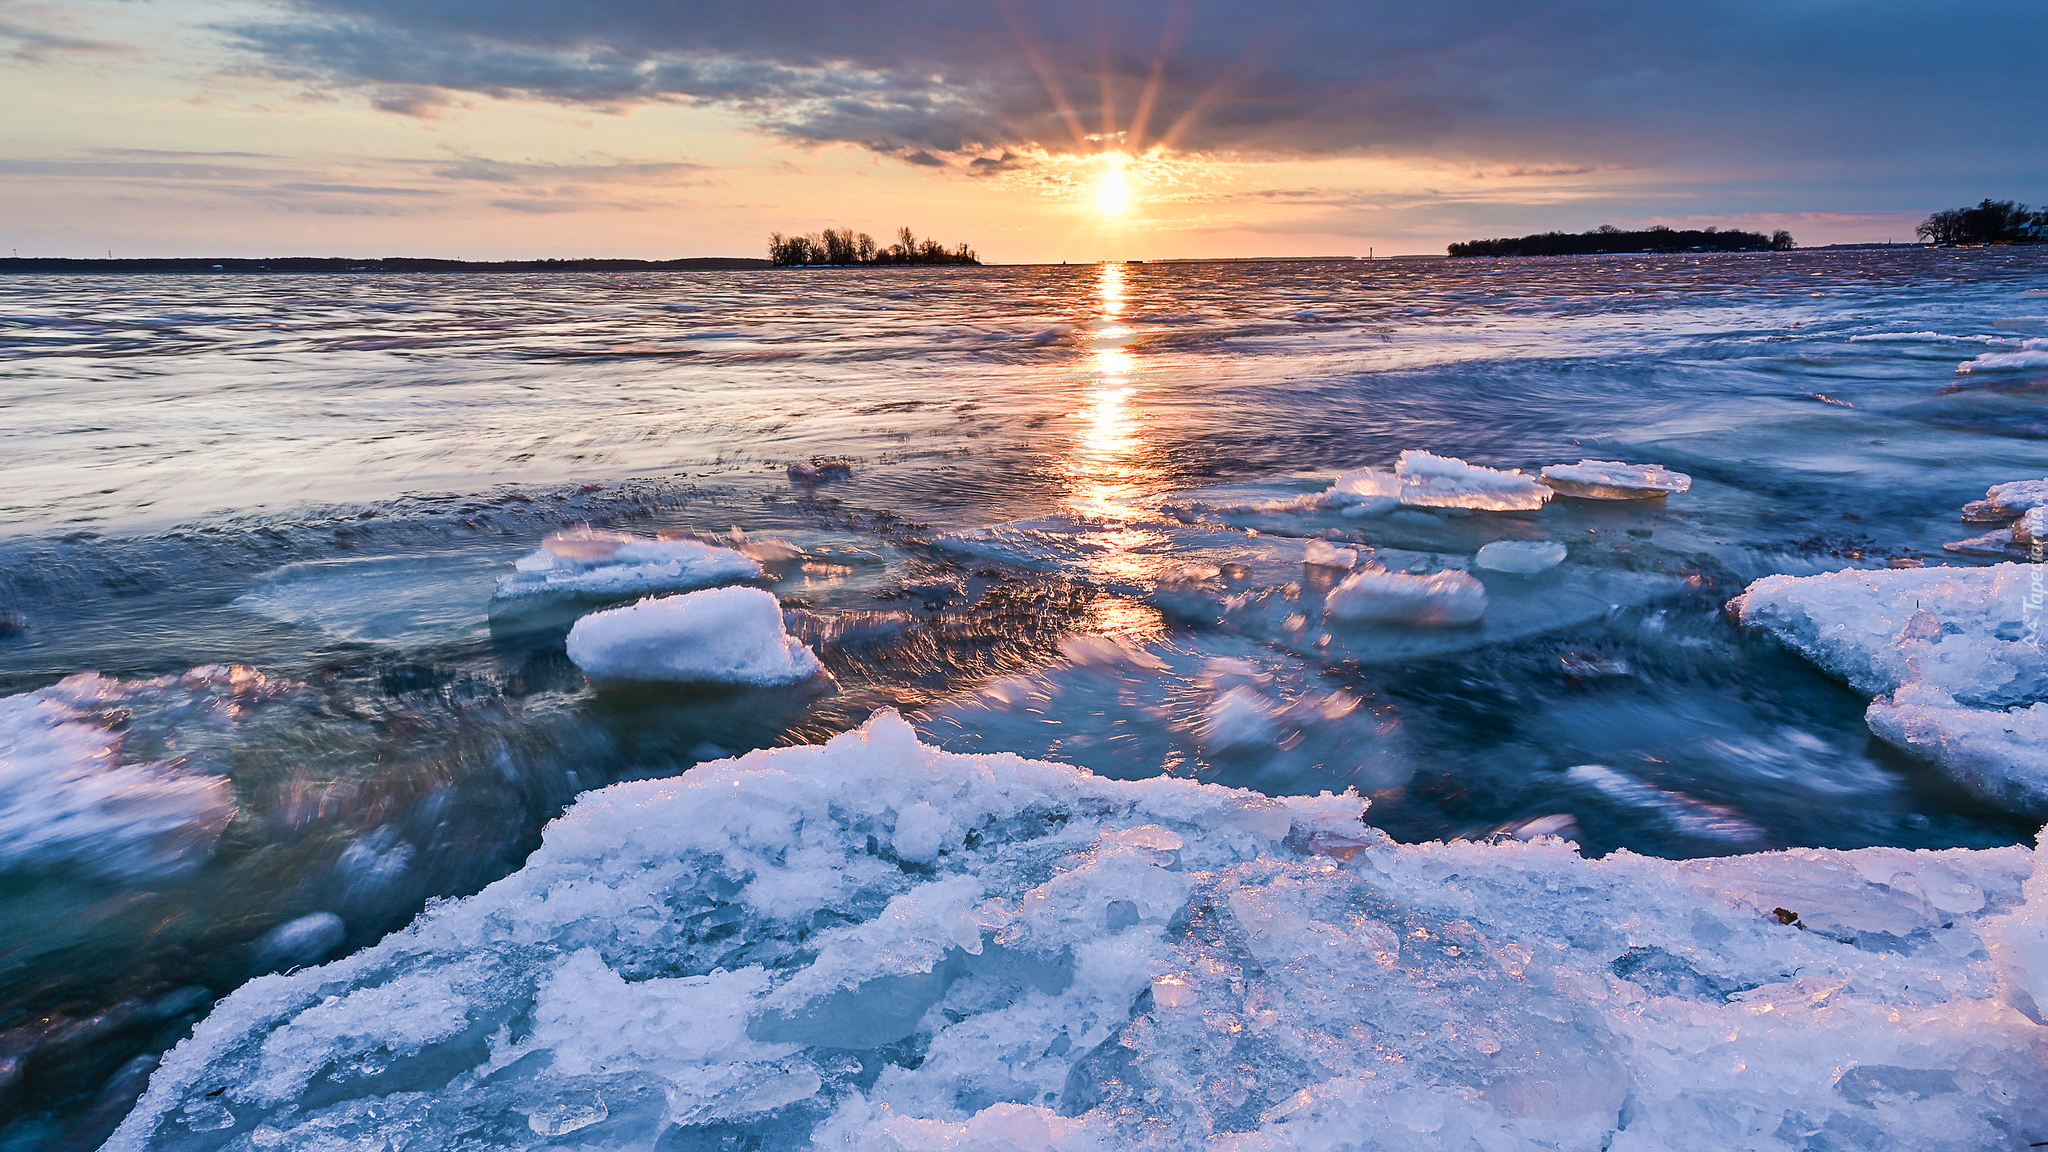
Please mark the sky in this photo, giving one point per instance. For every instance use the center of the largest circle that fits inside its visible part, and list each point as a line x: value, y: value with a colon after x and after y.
x: 1033, y: 130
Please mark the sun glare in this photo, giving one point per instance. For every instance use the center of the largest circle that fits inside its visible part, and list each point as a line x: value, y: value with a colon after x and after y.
x: 1112, y: 193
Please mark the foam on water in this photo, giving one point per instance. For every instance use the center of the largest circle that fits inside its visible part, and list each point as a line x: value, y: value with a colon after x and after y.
x: 876, y: 944
x: 69, y: 799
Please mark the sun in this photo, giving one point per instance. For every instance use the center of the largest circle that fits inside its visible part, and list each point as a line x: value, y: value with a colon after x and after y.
x: 1112, y: 192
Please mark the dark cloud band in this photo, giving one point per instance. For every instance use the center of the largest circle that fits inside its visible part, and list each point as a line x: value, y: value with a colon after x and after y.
x: 949, y: 81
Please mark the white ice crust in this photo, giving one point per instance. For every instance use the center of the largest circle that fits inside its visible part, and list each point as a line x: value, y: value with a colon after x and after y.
x: 1418, y: 480
x: 69, y: 800
x: 724, y: 636
x: 592, y: 561
x: 872, y: 944
x: 1954, y: 658
x: 1376, y: 595
x: 1614, y: 480
x: 1522, y: 557
x: 1432, y: 481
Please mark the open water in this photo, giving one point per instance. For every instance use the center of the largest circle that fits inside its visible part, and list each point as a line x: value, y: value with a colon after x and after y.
x: 315, y: 483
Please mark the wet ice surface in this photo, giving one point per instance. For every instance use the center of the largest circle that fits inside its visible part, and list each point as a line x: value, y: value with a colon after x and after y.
x: 1092, y: 514
x: 876, y: 944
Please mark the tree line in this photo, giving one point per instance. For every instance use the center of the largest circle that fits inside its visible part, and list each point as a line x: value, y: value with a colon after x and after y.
x: 1608, y: 238
x: 845, y: 246
x: 1989, y: 222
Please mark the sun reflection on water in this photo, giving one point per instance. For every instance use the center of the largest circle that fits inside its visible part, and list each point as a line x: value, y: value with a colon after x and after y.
x: 1110, y: 468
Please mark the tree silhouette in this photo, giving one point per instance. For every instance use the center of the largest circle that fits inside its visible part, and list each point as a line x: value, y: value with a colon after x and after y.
x: 844, y: 246
x: 1608, y: 238
x: 1990, y: 222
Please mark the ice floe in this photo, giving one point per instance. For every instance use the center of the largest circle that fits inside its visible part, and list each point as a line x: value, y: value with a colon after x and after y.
x: 1953, y: 658
x: 722, y: 636
x: 1614, y: 480
x: 596, y: 562
x: 70, y: 798
x: 1432, y: 481
x: 1522, y: 557
x: 875, y: 944
x: 2006, y: 502
x: 2030, y: 354
x: 1379, y: 596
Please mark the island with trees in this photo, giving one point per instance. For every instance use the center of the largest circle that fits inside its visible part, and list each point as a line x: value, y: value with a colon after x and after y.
x: 1988, y: 222
x: 844, y: 246
x: 1609, y: 239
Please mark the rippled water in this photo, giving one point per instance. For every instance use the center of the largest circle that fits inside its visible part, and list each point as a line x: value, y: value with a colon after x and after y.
x: 320, y: 478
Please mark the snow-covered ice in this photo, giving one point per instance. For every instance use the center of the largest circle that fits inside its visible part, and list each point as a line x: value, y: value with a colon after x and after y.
x: 69, y: 798
x: 1614, y: 480
x: 1378, y: 596
x: 1522, y: 557
x: 1432, y: 481
x: 726, y: 636
x: 2008, y: 501
x: 1418, y: 480
x: 875, y: 944
x: 596, y: 562
x: 1953, y: 658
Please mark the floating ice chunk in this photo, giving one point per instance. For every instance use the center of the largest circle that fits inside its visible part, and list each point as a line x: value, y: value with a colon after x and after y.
x: 592, y: 561
x: 718, y: 636
x: 1998, y: 753
x: 306, y: 940
x: 2031, y: 354
x: 1432, y: 481
x: 1614, y: 480
x: 2008, y: 501
x: 1962, y: 630
x: 730, y: 958
x: 69, y: 802
x: 1241, y: 717
x: 1953, y: 657
x: 1366, y: 492
x: 396, y: 600
x: 1998, y: 543
x: 1522, y: 557
x: 1441, y: 598
x: 1323, y: 554
x: 2031, y: 530
x: 768, y: 551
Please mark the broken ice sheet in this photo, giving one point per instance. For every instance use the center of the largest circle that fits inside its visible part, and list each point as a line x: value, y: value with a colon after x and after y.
x: 750, y: 955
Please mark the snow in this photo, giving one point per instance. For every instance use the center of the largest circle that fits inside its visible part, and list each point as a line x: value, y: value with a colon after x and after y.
x: 727, y: 636
x: 1379, y: 596
x: 875, y: 944
x: 1522, y: 557
x: 1614, y: 480
x: 1946, y: 653
x: 592, y: 561
x: 1432, y: 481
x: 71, y: 801
x: 2008, y: 501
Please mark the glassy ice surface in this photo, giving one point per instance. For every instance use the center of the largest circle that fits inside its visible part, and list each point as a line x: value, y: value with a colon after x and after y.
x: 1092, y: 514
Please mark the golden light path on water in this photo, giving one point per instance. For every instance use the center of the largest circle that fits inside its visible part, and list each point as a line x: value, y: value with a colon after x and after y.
x: 1111, y: 470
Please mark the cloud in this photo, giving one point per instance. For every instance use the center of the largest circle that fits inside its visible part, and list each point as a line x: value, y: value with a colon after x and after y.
x: 23, y: 42
x: 1537, y: 90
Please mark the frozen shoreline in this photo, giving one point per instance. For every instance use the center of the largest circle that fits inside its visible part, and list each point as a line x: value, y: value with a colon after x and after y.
x: 876, y: 943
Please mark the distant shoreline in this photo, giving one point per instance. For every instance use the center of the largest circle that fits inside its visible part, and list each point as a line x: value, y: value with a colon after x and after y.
x: 303, y: 264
